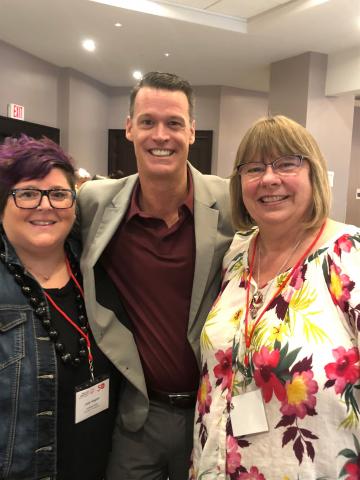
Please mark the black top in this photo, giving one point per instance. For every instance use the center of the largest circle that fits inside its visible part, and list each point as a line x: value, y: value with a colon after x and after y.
x: 82, y: 448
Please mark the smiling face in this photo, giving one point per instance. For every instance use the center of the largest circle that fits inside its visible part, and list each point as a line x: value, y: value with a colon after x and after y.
x: 40, y: 230
x: 161, y: 131
x: 279, y: 201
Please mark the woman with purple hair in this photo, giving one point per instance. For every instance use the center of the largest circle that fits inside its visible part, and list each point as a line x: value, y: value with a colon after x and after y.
x: 57, y: 389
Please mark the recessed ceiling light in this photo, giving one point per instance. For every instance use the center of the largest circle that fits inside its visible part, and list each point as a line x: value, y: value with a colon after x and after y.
x: 137, y: 75
x: 167, y: 54
x: 89, y: 45
x: 118, y: 24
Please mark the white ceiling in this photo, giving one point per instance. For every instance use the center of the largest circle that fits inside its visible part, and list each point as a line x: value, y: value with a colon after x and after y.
x: 211, y: 42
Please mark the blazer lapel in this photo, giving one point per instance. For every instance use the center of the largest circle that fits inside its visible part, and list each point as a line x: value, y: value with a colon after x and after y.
x: 111, y: 219
x: 206, y: 220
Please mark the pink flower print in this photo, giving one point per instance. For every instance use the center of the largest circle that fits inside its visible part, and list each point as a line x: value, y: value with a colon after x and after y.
x: 353, y: 471
x: 288, y: 293
x: 345, y: 369
x: 343, y: 244
x: 300, y: 392
x: 264, y: 376
x: 295, y: 284
x: 203, y: 395
x: 233, y: 457
x: 297, y: 280
x: 223, y: 371
x: 253, y: 474
x: 340, y: 286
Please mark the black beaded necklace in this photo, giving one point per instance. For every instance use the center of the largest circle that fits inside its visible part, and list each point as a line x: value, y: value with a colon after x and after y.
x: 41, y: 310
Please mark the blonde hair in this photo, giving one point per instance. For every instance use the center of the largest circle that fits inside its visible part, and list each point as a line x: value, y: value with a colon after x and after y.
x: 280, y: 135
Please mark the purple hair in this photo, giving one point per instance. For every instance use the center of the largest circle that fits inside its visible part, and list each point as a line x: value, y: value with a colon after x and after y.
x: 25, y: 158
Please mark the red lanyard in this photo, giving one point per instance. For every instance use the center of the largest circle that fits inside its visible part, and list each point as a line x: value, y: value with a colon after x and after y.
x: 248, y: 337
x: 83, y: 334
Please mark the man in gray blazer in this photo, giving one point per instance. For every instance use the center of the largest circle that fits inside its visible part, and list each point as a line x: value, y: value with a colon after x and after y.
x: 153, y: 247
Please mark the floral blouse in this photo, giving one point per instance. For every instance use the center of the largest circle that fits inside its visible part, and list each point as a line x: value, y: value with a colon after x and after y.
x: 304, y: 359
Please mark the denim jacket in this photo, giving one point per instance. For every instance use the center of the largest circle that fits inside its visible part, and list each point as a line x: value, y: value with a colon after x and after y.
x: 28, y: 383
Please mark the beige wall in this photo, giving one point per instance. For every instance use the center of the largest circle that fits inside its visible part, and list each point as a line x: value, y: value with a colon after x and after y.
x: 118, y: 107
x: 298, y: 91
x: 289, y: 88
x: 31, y: 82
x: 238, y: 110
x: 353, y: 205
x: 207, y: 108
x: 330, y: 120
x: 59, y: 98
x: 88, y: 123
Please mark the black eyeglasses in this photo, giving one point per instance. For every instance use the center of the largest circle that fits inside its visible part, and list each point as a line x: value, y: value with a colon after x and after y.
x: 30, y: 198
x: 284, y: 165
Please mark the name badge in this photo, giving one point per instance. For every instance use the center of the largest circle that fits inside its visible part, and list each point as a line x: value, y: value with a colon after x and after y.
x: 248, y: 414
x: 93, y: 399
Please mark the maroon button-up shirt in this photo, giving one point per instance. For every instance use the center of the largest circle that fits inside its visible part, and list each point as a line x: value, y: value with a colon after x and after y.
x: 152, y: 267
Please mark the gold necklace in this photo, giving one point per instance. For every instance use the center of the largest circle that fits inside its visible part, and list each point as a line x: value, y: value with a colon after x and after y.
x: 258, y: 298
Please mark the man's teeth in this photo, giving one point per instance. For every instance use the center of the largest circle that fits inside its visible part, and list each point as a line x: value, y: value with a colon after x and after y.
x: 273, y: 198
x: 161, y: 152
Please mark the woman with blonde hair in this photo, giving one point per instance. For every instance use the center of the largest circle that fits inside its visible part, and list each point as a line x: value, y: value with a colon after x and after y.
x: 279, y: 395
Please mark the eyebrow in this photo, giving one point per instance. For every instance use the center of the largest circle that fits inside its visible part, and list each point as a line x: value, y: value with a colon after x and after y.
x: 34, y: 187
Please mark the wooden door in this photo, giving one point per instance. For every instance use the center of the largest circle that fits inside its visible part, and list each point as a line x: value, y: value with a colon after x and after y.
x: 121, y: 155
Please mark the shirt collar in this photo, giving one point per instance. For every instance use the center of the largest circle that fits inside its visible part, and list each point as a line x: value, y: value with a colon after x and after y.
x: 134, y: 207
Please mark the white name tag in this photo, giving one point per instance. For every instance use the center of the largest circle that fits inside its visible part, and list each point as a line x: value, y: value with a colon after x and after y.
x: 248, y: 414
x: 91, y: 400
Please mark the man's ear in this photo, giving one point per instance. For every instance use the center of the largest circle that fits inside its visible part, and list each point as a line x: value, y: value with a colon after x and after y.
x: 192, y: 132
x: 128, y: 129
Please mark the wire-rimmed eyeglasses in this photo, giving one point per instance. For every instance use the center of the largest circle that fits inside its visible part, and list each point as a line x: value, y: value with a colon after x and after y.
x: 30, y: 198
x: 283, y: 165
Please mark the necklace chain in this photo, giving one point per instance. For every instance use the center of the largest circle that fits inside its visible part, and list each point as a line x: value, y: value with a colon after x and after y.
x: 38, y: 274
x: 259, y: 297
x: 249, y: 334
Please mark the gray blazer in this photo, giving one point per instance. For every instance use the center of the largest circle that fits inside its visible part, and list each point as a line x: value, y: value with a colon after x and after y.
x: 102, y: 207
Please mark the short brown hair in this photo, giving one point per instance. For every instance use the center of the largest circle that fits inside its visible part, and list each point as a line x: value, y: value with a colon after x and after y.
x: 280, y: 135
x: 164, y: 81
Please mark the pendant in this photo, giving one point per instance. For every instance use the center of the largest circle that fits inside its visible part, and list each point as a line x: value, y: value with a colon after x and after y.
x: 257, y: 302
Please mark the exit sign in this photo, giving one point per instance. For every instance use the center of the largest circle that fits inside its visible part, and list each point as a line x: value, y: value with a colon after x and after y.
x: 16, y: 111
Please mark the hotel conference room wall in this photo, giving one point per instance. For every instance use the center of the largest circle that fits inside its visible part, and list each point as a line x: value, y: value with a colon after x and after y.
x: 84, y: 110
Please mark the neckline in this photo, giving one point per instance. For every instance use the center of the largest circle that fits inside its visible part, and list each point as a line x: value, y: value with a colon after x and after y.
x: 62, y: 291
x: 324, y: 245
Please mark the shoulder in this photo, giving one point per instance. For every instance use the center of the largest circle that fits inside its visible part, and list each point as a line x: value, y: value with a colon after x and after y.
x: 340, y: 256
x: 239, y: 246
x: 97, y: 195
x: 342, y: 238
x: 103, y: 190
x: 210, y: 181
x: 211, y: 189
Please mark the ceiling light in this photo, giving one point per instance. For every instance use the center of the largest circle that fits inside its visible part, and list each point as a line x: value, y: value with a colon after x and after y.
x: 137, y: 75
x: 167, y: 54
x: 89, y: 45
x: 118, y: 24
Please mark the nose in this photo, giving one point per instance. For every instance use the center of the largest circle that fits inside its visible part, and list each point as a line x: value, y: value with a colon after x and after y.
x: 43, y: 205
x: 160, y: 133
x: 270, y: 176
